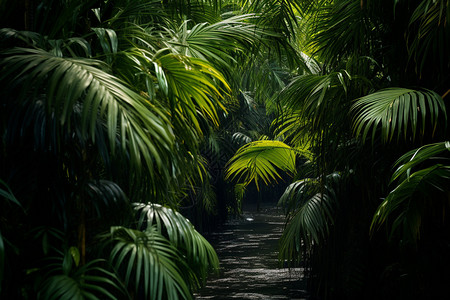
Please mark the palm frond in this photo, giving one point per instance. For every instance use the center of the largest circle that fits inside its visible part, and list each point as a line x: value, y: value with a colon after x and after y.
x: 108, y: 41
x: 296, y: 193
x: 199, y: 253
x: 397, y: 110
x: 339, y: 30
x: 211, y: 42
x: 259, y: 160
x: 150, y: 264
x: 405, y: 206
x: 240, y: 138
x: 293, y: 127
x: 413, y: 158
x: 431, y: 19
x: 6, y: 193
x: 310, y: 206
x: 312, y: 95
x: 279, y: 15
x: 194, y: 84
x: 65, y: 279
x: 140, y: 126
x: 308, y: 226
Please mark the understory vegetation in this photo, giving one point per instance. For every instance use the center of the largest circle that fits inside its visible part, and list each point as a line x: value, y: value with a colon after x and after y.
x: 130, y: 128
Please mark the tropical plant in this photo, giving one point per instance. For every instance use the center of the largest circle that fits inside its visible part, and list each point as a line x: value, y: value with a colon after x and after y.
x: 423, y: 176
x: 108, y: 102
x: 66, y: 278
x: 368, y: 97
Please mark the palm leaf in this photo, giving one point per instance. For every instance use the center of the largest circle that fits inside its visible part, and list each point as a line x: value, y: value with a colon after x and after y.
x: 310, y: 204
x: 418, y: 184
x: 397, y: 110
x: 150, y: 264
x: 66, y: 280
x: 6, y: 193
x: 311, y: 96
x: 405, y: 206
x: 181, y: 233
x: 260, y: 160
x: 430, y: 18
x: 339, y: 30
x: 212, y: 42
x: 308, y: 226
x: 194, y: 84
x: 143, y: 133
x: 296, y: 193
x: 417, y: 156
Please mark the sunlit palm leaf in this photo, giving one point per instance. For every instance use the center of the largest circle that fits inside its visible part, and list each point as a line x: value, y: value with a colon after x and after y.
x: 194, y: 84
x: 150, y: 264
x: 181, y: 233
x: 291, y: 126
x: 66, y: 81
x: 260, y: 160
x: 397, y: 110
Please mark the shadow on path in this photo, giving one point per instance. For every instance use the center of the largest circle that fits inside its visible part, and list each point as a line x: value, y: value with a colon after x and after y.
x: 248, y: 248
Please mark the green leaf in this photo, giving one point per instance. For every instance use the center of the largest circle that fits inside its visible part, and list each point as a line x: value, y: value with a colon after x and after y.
x: 405, y: 206
x: 149, y: 254
x: 397, y: 110
x: 181, y: 233
x: 78, y: 283
x: 75, y: 253
x: 260, y: 160
x: 415, y: 157
x: 145, y: 134
x: 309, y: 225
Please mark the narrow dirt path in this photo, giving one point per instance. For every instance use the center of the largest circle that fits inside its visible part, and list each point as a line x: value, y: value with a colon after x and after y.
x: 247, y: 249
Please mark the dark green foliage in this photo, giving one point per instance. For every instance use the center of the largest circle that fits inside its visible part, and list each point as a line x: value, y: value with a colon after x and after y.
x: 378, y: 88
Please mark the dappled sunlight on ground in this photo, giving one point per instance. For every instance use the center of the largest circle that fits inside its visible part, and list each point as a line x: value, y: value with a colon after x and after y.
x: 248, y: 249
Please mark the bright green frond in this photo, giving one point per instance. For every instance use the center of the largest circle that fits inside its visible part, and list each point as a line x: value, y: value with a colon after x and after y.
x: 194, y: 85
x: 260, y: 160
